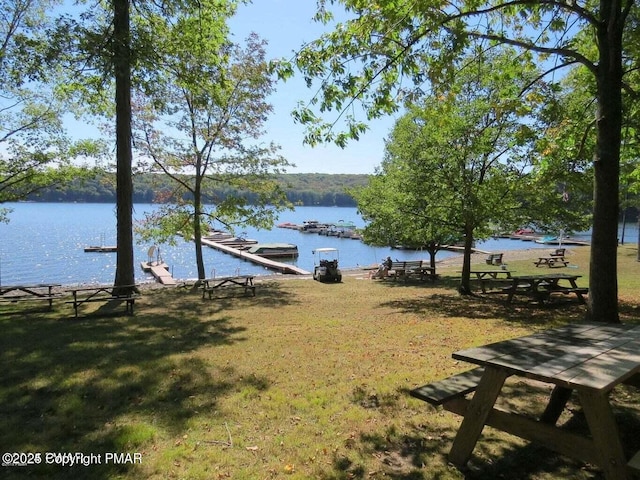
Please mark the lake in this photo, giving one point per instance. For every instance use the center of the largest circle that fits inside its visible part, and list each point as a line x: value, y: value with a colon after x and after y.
x: 44, y: 242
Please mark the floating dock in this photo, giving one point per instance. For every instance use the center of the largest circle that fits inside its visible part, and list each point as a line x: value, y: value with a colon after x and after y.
x: 101, y: 249
x: 257, y: 259
x: 160, y: 271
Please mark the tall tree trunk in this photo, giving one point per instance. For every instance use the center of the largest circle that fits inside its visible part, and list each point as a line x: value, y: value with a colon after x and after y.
x: 603, y: 285
x: 124, y: 184
x: 465, y: 281
x: 197, y: 227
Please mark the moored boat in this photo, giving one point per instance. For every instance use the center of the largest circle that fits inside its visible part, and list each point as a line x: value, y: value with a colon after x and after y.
x: 274, y: 250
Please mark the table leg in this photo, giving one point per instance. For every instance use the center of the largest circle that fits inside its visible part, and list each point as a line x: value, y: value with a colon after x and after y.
x: 512, y: 291
x: 558, y: 400
x: 476, y: 415
x: 604, y: 432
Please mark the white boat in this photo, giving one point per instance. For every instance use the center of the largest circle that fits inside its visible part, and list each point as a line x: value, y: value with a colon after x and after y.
x: 274, y: 250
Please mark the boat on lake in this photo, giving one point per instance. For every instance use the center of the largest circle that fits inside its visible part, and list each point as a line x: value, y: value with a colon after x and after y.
x: 274, y: 250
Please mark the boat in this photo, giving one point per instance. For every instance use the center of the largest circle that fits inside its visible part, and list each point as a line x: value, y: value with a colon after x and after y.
x: 547, y: 239
x: 312, y: 226
x: 289, y: 225
x: 217, y: 235
x: 274, y: 250
x: 237, y: 242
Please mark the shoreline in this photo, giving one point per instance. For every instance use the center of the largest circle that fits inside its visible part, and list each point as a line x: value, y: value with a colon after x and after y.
x: 453, y: 261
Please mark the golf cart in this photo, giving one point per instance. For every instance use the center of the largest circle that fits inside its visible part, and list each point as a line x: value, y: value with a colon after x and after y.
x: 326, y: 265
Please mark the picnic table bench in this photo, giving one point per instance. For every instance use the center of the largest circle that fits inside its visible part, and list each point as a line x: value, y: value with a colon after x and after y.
x: 210, y: 285
x: 444, y: 391
x: 555, y: 259
x: 494, y: 259
x: 542, y: 287
x: 492, y: 278
x: 411, y: 268
x: 587, y: 358
x: 27, y: 293
x: 104, y: 294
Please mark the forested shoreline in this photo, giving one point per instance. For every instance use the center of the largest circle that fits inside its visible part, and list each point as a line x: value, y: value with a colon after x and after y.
x: 304, y: 189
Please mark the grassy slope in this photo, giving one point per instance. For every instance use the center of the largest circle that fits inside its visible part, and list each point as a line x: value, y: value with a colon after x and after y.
x: 305, y: 380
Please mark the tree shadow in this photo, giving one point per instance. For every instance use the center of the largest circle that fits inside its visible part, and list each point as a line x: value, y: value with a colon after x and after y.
x: 403, y: 453
x: 70, y: 385
x: 485, y: 307
x: 269, y: 293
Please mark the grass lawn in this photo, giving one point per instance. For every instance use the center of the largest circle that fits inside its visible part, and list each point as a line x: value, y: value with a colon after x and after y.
x: 304, y: 380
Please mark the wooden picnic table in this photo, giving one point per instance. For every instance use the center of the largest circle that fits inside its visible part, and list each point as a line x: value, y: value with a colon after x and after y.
x: 486, y: 277
x: 39, y: 291
x: 104, y: 293
x: 409, y: 268
x: 209, y: 285
x: 552, y: 261
x: 540, y: 287
x: 590, y: 359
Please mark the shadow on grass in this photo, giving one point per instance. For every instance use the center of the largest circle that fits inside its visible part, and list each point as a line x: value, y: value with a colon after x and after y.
x: 486, y: 307
x: 404, y: 452
x: 629, y: 313
x: 74, y: 385
x: 271, y: 294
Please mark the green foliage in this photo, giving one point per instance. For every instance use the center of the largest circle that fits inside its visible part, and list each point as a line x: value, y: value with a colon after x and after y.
x: 456, y: 164
x: 35, y: 151
x: 208, y: 125
x: 387, y: 53
x: 201, y: 123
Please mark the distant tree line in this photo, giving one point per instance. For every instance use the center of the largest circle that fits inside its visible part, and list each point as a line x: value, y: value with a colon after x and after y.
x: 304, y: 189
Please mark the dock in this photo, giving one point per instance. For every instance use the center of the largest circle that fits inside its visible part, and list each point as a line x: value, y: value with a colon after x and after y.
x: 257, y: 259
x: 160, y: 271
x: 460, y: 249
x: 101, y: 248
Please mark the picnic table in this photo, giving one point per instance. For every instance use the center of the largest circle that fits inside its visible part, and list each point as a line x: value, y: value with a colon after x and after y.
x: 491, y: 277
x: 411, y: 268
x: 588, y: 358
x: 105, y: 294
x: 19, y: 293
x: 541, y: 287
x: 555, y: 259
x: 210, y: 285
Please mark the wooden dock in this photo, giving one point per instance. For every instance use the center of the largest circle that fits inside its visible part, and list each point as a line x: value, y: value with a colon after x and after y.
x: 160, y: 271
x: 257, y: 259
x: 101, y: 248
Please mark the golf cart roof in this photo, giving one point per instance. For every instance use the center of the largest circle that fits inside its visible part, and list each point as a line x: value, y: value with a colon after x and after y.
x: 325, y: 249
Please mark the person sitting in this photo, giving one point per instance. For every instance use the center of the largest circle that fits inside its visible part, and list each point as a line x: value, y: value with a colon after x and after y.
x: 383, y: 269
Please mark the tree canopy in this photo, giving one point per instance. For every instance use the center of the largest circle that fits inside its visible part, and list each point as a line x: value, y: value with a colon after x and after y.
x: 203, y: 131
x: 388, y: 52
x: 35, y: 150
x: 458, y: 164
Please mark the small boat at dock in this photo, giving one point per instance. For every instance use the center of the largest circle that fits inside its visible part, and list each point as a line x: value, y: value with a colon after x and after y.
x: 274, y: 250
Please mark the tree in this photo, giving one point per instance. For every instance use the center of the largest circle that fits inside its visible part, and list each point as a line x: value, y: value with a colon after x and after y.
x: 457, y: 161
x: 122, y: 64
x: 35, y: 149
x: 201, y: 129
x: 393, y: 205
x: 112, y: 50
x: 388, y: 51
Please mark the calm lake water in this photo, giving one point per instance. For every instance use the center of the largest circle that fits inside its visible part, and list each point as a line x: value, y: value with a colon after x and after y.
x: 44, y: 242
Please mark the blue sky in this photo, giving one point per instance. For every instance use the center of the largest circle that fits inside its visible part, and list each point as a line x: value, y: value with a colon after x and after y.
x: 286, y: 25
